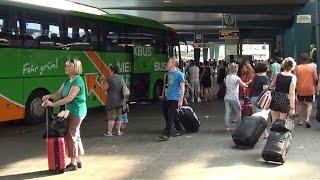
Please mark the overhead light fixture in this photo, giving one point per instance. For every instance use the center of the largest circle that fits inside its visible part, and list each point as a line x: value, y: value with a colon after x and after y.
x: 166, y: 1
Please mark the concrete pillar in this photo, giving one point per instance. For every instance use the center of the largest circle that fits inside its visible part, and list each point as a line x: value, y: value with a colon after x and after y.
x: 298, y: 38
x: 216, y: 51
x: 205, y: 54
x: 317, y: 29
x: 212, y: 50
x: 196, y: 53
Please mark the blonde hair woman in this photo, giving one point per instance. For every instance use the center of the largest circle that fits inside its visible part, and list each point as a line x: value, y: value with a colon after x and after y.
x: 72, y: 94
x: 231, y: 98
x: 283, y: 98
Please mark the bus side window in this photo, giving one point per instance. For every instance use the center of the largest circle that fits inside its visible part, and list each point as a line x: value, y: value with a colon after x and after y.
x: 68, y: 39
x: 33, y: 30
x: 4, y: 35
x: 115, y: 37
x: 55, y: 36
x: 10, y: 33
x: 44, y: 40
x: 80, y: 39
x: 1, y: 24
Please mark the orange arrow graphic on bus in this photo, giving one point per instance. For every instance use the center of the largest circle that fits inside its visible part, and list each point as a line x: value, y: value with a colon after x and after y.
x: 92, y: 83
x: 10, y: 110
x: 98, y: 63
x: 94, y: 86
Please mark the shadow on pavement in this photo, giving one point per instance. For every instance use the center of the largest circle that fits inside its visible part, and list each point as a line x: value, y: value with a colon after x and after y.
x: 29, y: 175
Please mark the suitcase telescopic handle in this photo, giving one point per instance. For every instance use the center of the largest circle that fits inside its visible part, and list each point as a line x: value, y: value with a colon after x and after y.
x: 179, y: 111
x: 47, y: 118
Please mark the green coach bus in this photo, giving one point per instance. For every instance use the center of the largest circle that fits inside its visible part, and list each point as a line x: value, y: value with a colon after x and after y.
x: 36, y: 41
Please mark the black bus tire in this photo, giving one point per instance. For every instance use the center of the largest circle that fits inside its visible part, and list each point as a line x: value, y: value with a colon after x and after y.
x: 34, y: 112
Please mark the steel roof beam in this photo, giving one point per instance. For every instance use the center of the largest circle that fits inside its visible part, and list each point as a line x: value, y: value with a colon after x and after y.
x: 255, y: 23
x: 275, y: 9
x: 242, y: 31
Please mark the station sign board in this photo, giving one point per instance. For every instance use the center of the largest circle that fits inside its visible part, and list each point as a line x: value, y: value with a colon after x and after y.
x: 198, y: 38
x: 229, y: 34
x: 199, y: 45
x: 304, y: 19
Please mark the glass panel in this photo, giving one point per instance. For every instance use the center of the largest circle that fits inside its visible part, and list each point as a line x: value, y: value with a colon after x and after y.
x: 33, y: 29
x: 69, y: 32
x: 81, y: 32
x: 54, y: 31
x: 1, y: 24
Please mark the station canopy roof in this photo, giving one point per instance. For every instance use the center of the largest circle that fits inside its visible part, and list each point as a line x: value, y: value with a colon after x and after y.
x: 205, y: 16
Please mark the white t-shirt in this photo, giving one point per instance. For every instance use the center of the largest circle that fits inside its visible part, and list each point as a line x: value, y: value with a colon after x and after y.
x: 232, y: 87
x: 194, y: 74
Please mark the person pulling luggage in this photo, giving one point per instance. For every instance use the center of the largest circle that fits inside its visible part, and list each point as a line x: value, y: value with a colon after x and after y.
x: 72, y: 95
x: 174, y: 96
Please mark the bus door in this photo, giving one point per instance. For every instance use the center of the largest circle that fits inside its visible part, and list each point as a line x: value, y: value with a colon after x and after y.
x: 142, y: 67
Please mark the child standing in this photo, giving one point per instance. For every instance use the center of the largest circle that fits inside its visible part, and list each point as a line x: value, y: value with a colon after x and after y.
x: 231, y: 98
x: 124, y: 115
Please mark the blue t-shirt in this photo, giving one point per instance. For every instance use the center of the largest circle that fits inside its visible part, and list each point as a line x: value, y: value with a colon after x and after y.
x: 174, y: 80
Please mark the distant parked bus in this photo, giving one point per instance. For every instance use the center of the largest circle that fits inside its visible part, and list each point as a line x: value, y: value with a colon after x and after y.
x: 36, y: 41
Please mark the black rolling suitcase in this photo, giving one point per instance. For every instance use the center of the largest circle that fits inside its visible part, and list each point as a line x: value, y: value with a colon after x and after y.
x: 249, y: 131
x: 277, y: 146
x: 188, y: 119
x: 282, y: 125
x: 279, y: 141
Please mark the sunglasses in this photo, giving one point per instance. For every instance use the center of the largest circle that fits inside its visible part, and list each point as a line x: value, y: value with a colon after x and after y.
x: 71, y: 61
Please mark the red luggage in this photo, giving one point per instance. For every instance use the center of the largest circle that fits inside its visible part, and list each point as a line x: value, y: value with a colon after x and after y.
x: 246, y: 108
x: 56, y: 154
x: 56, y: 150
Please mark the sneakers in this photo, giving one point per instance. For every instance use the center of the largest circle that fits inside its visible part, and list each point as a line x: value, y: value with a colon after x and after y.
x: 107, y: 135
x: 119, y: 134
x: 308, y: 125
x: 79, y: 164
x: 179, y: 133
x: 198, y: 100
x: 192, y: 100
x: 164, y: 137
x: 229, y: 129
x: 71, y: 167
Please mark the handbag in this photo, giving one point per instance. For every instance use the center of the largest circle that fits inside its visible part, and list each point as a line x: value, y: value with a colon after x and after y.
x: 58, y: 126
x: 125, y: 90
x: 264, y: 100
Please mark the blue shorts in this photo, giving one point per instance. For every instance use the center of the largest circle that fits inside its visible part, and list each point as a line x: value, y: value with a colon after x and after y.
x: 124, y: 118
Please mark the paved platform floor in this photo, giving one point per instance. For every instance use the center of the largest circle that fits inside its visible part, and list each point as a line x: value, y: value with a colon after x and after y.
x: 209, y: 154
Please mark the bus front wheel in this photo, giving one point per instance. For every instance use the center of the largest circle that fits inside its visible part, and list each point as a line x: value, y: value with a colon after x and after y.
x: 35, y: 113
